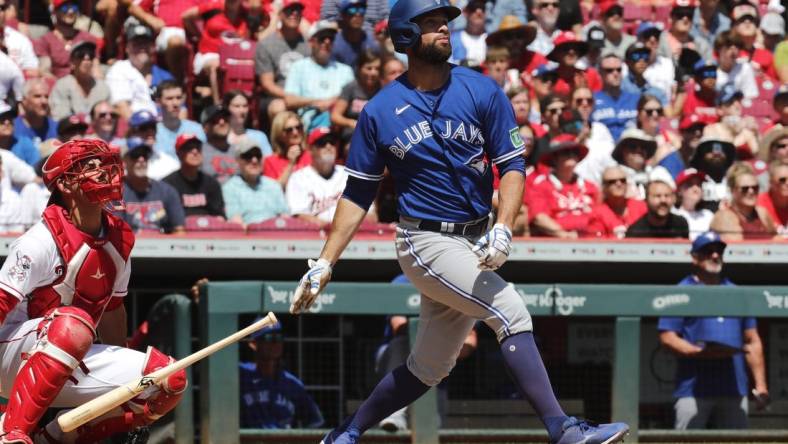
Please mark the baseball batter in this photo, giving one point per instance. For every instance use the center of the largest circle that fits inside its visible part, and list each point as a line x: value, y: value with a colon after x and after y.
x: 437, y: 128
x: 62, y: 287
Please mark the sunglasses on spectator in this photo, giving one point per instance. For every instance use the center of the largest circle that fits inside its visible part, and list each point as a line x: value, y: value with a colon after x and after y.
x: 614, y: 11
x: 136, y: 154
x: 217, y: 119
x: 254, y: 153
x: 147, y: 127
x: 654, y: 112
x: 747, y: 18
x: 547, y: 5
x: 782, y: 180
x: 679, y: 14
x: 621, y: 180
x: 4, y: 6
x: 7, y: 121
x: 707, y: 74
x: 555, y: 110
x: 69, y: 8
x: 295, y: 9
x: 290, y: 129
x: 711, y: 249
x: 639, y: 56
x: 323, y: 141
x: 81, y: 56
x: 584, y: 101
x: 611, y: 70
x: 107, y: 114
x: 356, y: 10
x: 749, y: 188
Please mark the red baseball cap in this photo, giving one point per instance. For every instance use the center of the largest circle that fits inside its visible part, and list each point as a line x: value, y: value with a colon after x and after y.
x: 317, y: 134
x: 688, y: 174
x: 288, y: 3
x: 566, y: 40
x: 691, y: 120
x: 183, y: 139
x: 606, y: 5
x: 58, y: 3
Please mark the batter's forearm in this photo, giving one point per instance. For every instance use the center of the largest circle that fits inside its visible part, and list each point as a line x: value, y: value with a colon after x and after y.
x: 346, y: 221
x: 510, y: 197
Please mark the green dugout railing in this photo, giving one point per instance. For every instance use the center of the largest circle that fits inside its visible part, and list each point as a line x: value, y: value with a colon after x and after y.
x: 222, y: 302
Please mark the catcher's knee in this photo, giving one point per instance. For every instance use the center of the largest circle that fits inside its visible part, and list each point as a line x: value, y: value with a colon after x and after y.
x: 65, y: 334
x: 170, y: 389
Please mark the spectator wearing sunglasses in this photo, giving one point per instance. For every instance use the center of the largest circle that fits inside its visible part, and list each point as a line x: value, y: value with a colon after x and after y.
x: 352, y: 38
x: 219, y: 159
x: 614, y: 107
x: 699, y: 96
x: 616, y: 40
x: 612, y: 217
x: 691, y: 130
x: 775, y: 200
x: 708, y: 22
x: 150, y: 204
x: 773, y: 148
x: 637, y: 58
x: 727, y: 46
x: 743, y: 218
x: 104, y: 123
x: 142, y: 125
x: 714, y: 156
x: 250, y: 197
x: 745, y: 25
x: 660, y: 70
x: 678, y: 36
x: 743, y: 129
x: 468, y: 45
x: 552, y: 106
x: 649, y: 120
x: 313, y: 192
x: 78, y: 92
x: 54, y: 49
x: 545, y: 14
x: 594, y: 135
x: 287, y: 138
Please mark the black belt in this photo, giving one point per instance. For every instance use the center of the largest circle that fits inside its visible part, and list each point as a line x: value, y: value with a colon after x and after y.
x: 469, y: 229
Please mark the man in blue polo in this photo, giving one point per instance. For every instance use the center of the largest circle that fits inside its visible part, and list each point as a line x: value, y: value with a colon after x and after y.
x: 713, y: 353
x: 614, y: 107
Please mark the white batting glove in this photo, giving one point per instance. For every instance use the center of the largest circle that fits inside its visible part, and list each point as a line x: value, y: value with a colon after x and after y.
x: 493, y: 248
x: 311, y: 285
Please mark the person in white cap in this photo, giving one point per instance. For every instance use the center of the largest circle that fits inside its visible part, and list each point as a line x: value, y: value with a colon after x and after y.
x: 690, y: 193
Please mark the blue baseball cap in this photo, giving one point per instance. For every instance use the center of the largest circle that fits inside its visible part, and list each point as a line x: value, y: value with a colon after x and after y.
x: 728, y: 94
x: 142, y: 117
x: 544, y: 69
x: 266, y: 331
x: 345, y: 4
x: 647, y: 28
x: 706, y: 239
x: 135, y: 147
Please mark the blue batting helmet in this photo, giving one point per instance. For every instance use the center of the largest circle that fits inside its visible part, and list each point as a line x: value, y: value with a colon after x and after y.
x: 404, y: 32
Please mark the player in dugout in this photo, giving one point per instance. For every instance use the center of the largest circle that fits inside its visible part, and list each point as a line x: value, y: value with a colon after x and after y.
x: 62, y: 287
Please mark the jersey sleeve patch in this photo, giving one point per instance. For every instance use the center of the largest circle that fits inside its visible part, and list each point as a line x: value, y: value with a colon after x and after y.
x: 514, y: 137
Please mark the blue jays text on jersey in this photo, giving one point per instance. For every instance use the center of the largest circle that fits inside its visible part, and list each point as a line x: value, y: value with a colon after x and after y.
x: 437, y: 145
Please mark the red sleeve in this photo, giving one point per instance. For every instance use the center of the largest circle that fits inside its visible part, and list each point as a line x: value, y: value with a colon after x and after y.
x: 596, y: 226
x: 7, y: 303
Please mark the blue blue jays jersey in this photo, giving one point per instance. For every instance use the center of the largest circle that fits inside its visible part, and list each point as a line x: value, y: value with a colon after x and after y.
x: 438, y: 145
x: 279, y: 403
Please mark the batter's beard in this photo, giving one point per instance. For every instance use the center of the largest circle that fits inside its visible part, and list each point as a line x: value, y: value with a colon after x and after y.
x: 433, y: 54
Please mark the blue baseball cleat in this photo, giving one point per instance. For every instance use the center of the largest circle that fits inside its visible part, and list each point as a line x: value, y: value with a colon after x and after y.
x: 341, y: 435
x: 576, y: 431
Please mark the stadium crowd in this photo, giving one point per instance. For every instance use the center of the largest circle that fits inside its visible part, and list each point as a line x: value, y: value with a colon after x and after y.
x: 642, y: 118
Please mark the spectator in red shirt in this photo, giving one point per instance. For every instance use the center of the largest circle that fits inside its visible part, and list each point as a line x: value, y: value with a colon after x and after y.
x: 54, y: 48
x: 700, y: 95
x: 222, y: 19
x: 287, y: 140
x: 745, y: 25
x: 775, y: 201
x: 567, y: 53
x: 164, y: 17
x: 743, y: 218
x: 516, y: 36
x: 559, y: 203
x: 617, y: 212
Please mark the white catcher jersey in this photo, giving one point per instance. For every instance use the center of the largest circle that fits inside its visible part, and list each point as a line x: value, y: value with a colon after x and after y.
x: 310, y: 193
x: 33, y: 261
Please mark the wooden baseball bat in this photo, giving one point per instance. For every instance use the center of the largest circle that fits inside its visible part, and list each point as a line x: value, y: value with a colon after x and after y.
x: 106, y: 402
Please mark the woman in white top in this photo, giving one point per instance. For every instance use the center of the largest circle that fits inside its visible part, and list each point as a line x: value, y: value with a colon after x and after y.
x: 690, y: 192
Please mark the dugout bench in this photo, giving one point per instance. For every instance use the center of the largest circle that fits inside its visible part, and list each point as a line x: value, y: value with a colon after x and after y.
x: 222, y: 302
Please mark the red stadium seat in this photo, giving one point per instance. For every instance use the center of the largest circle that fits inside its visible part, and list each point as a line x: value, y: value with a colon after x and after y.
x: 662, y: 15
x: 283, y: 223
x: 236, y: 61
x: 211, y: 223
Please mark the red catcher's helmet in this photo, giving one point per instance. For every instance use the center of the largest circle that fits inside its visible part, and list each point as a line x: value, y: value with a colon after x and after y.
x: 73, y: 162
